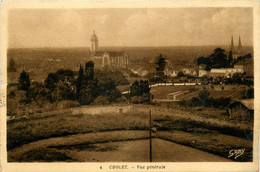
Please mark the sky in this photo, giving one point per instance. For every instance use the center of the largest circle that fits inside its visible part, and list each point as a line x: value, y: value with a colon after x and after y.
x: 28, y: 28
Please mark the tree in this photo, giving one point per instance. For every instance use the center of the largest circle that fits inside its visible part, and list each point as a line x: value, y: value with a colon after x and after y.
x: 161, y: 65
x: 203, y: 96
x: 135, y: 89
x: 64, y: 75
x: 250, y: 93
x: 145, y: 90
x: 89, y: 93
x: 11, y: 66
x: 79, y: 81
x: 144, y: 87
x: 140, y: 92
x: 237, y: 78
x: 230, y: 58
x: 24, y: 81
x: 39, y: 94
x: 62, y: 91
x: 89, y: 71
x: 203, y: 60
x: 218, y: 59
x: 50, y: 81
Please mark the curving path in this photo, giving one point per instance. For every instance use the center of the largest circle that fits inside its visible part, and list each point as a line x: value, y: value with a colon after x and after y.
x: 127, y: 146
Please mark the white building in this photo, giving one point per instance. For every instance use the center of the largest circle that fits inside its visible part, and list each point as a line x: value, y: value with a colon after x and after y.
x: 170, y: 72
x: 189, y: 71
x: 224, y: 72
x: 203, y: 73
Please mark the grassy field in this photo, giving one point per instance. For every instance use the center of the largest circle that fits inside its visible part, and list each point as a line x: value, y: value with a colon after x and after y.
x: 168, y: 121
x: 188, y: 92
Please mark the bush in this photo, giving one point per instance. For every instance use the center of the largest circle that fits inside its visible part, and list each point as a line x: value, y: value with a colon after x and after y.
x: 141, y: 99
x: 12, y: 94
x: 113, y: 95
x: 38, y: 92
x: 117, y: 76
x: 67, y: 104
x: 218, y: 103
x: 122, y: 99
x: 250, y: 93
x: 86, y: 96
x: 137, y: 99
x: 101, y: 100
x: 195, y: 101
x: 184, y: 103
x: 24, y: 81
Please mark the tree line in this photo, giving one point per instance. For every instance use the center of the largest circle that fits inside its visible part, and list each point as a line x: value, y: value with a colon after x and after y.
x: 64, y: 85
x: 83, y: 87
x: 219, y: 59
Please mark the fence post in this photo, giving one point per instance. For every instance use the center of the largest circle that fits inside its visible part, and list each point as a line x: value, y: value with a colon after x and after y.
x: 150, y: 128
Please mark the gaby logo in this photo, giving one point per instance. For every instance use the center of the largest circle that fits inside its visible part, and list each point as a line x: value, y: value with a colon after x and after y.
x: 236, y: 153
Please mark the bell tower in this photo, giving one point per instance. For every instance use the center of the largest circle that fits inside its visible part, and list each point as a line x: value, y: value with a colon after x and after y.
x: 239, y: 48
x: 94, y: 43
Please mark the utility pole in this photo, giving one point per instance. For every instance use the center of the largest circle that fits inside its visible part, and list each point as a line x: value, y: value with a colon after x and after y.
x: 150, y: 128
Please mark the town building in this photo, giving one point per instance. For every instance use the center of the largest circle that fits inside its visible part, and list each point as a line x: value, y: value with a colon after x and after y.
x: 139, y: 70
x: 224, y: 72
x: 169, y: 71
x: 203, y: 73
x: 118, y: 59
x: 242, y: 109
x: 189, y: 71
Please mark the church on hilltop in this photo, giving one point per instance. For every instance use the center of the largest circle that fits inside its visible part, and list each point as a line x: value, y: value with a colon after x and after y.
x: 118, y: 59
x: 236, y: 51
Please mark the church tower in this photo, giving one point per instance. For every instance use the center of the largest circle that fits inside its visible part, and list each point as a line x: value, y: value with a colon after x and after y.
x: 94, y: 42
x: 232, y: 44
x: 239, y: 48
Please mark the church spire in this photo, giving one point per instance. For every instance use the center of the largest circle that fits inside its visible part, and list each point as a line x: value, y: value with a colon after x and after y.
x: 232, y: 44
x: 239, y: 43
x: 239, y: 48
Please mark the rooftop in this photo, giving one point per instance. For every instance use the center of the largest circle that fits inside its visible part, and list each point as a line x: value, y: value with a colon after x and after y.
x: 249, y: 103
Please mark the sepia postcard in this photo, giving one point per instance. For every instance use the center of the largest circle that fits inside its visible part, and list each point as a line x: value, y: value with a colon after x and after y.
x: 129, y: 86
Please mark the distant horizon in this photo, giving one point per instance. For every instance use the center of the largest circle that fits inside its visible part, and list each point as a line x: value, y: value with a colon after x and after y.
x: 127, y: 47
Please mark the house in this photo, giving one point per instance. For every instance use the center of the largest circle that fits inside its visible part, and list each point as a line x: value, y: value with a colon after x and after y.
x: 238, y: 66
x: 242, y: 109
x: 141, y: 72
x: 218, y: 72
x: 189, y: 71
x: 224, y: 72
x: 203, y: 73
x: 247, y: 65
x: 202, y: 66
x: 170, y: 72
